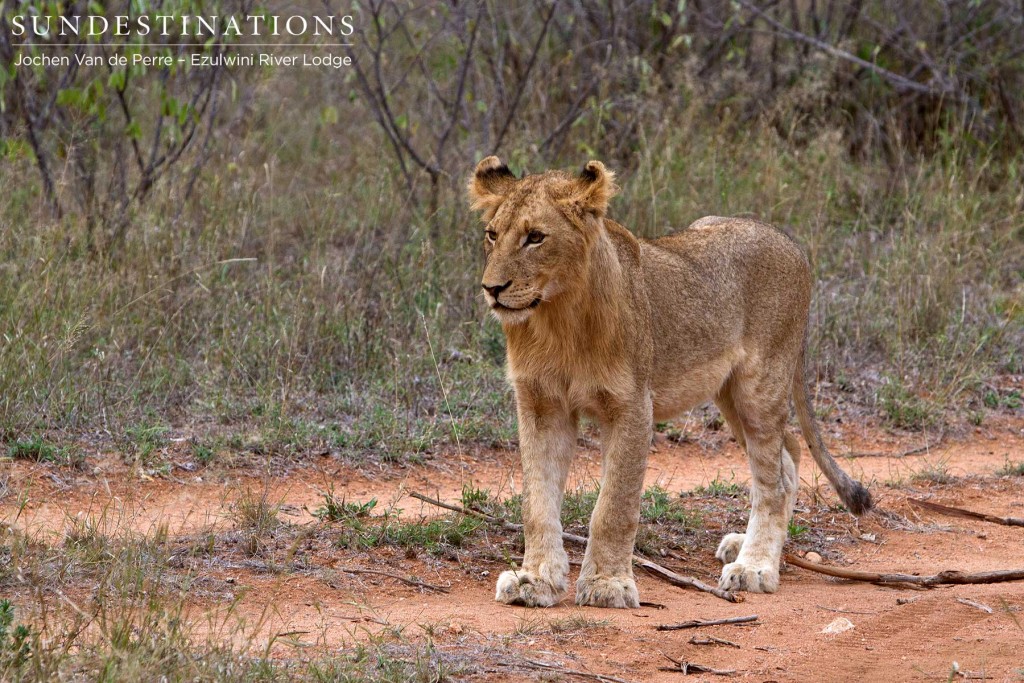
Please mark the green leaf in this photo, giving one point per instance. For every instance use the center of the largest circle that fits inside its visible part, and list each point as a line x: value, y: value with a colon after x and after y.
x: 329, y: 115
x: 70, y: 97
x: 116, y: 80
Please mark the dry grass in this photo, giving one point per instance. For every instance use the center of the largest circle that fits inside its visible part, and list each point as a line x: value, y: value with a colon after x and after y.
x: 290, y: 302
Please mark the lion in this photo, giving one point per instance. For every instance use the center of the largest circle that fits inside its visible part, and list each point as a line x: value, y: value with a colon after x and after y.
x: 628, y: 332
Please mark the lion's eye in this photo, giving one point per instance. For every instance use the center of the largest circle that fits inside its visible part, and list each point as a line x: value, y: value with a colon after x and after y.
x: 491, y: 236
x: 535, y: 237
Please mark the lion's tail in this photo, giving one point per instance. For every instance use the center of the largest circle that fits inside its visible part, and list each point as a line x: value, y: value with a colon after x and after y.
x: 853, y: 494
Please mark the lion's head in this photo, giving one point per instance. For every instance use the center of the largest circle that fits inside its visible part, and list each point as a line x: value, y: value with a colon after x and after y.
x: 539, y: 232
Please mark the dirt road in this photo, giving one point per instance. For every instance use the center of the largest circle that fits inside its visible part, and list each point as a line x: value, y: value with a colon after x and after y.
x: 311, y: 598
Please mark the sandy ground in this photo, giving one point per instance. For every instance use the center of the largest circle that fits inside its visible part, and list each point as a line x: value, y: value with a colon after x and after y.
x: 897, y: 634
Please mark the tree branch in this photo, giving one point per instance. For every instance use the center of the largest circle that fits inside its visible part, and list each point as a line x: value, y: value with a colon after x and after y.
x: 654, y: 568
x: 947, y: 577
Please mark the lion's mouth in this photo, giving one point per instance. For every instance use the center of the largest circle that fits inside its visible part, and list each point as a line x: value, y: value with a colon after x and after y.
x: 498, y: 306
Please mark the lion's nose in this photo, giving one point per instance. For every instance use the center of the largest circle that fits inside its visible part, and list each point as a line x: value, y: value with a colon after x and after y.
x: 495, y: 290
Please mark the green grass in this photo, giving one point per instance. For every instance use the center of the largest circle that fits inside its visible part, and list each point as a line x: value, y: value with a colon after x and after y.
x: 1011, y: 469
x: 37, y: 449
x: 144, y: 441
x: 1011, y: 400
x: 358, y: 528
x: 795, y: 529
x: 903, y: 409
x: 15, y: 640
x: 337, y: 510
x: 935, y: 473
x: 658, y: 505
x: 720, y: 488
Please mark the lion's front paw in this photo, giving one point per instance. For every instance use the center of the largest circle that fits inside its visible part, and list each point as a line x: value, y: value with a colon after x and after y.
x: 607, y: 591
x: 738, y: 576
x: 520, y: 587
x: 729, y: 548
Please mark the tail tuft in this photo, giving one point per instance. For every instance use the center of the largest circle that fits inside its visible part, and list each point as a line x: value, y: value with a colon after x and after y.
x: 856, y: 498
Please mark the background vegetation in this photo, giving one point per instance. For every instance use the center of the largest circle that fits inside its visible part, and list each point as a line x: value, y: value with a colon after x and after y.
x: 301, y: 260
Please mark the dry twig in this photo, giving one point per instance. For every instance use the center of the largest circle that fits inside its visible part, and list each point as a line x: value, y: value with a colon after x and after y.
x: 653, y: 567
x: 968, y: 514
x: 687, y: 668
x: 928, y: 445
x: 571, y: 672
x: 711, y: 640
x: 697, y: 623
x: 399, y: 577
x: 944, y: 578
x: 975, y: 604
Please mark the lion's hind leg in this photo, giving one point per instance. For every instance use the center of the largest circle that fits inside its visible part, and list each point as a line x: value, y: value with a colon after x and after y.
x: 727, y: 407
x: 730, y: 546
x: 763, y: 407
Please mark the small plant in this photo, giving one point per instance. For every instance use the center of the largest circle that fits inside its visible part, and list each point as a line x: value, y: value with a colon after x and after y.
x: 657, y: 505
x: 335, y: 510
x: 578, y: 506
x: 719, y: 488
x: 576, y: 623
x: 35, y: 449
x: 673, y: 433
x: 203, y: 452
x: 15, y: 646
x: 144, y: 440
x: 39, y: 450
x: 1011, y: 400
x: 1011, y: 469
x: 936, y: 473
x: 528, y: 626
x: 254, y: 512
x: 87, y: 542
x: 796, y: 529
x: 474, y: 498
x: 903, y: 409
x: 434, y: 536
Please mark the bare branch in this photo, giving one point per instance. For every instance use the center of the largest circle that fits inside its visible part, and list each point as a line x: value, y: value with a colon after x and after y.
x: 968, y: 514
x: 944, y: 578
x: 656, y: 569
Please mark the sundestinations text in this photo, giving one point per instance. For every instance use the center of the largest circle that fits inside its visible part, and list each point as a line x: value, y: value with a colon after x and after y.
x: 182, y: 25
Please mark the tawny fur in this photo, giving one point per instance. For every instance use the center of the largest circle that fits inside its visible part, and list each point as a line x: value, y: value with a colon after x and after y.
x: 629, y: 331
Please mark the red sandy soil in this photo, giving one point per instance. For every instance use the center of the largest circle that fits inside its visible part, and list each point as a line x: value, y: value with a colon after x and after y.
x: 898, y: 634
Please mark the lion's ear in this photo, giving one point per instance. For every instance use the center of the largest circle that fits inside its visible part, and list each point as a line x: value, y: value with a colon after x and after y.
x: 593, y: 188
x: 490, y: 184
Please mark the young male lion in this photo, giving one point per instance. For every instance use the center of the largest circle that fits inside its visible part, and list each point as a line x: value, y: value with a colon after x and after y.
x: 629, y: 331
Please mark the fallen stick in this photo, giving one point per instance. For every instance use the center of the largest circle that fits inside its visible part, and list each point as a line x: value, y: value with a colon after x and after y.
x: 571, y: 672
x: 654, y: 568
x: 968, y: 514
x: 711, y: 640
x: 687, y: 668
x: 697, y: 623
x: 902, y: 454
x: 842, y: 611
x: 975, y: 604
x: 948, y: 577
x: 399, y: 577
x: 681, y: 581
